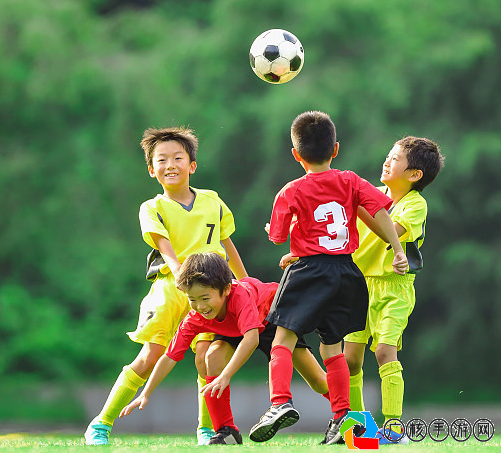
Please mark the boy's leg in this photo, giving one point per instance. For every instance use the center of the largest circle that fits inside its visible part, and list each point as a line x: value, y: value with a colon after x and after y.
x: 338, y: 380
x: 354, y: 354
x: 307, y: 366
x: 392, y: 382
x: 128, y: 382
x: 392, y: 392
x: 217, y: 357
x: 281, y: 413
x: 204, y: 429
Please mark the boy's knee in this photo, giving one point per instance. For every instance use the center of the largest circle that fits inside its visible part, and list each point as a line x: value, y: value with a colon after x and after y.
x: 385, y: 354
x: 354, y: 365
x: 319, y: 384
x: 217, y: 358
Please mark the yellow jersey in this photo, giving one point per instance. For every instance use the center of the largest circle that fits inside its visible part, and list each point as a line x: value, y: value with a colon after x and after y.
x: 374, y: 257
x: 197, y: 228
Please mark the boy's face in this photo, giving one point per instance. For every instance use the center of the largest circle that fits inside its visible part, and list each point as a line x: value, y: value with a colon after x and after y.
x: 171, y: 165
x: 395, y: 167
x: 208, y: 301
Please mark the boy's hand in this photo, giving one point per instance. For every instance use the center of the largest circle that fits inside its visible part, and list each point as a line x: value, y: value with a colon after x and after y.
x: 400, y: 263
x: 288, y: 259
x: 267, y: 228
x: 140, y: 401
x: 217, y: 386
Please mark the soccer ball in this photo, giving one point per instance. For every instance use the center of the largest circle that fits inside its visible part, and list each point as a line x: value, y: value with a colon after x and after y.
x: 276, y: 56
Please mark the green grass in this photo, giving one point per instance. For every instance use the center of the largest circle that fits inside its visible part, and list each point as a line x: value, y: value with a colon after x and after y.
x: 293, y: 443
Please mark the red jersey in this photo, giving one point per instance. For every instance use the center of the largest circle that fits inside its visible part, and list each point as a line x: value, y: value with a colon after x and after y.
x: 247, y: 305
x: 320, y: 212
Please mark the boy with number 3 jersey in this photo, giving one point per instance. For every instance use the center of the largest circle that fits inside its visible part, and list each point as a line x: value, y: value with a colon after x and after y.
x: 323, y: 290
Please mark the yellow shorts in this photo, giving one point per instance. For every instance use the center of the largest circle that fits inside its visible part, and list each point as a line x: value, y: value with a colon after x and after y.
x: 391, y: 301
x: 162, y: 310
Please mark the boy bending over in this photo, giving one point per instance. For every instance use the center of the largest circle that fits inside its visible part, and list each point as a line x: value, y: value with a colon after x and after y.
x: 235, y: 310
x: 180, y: 221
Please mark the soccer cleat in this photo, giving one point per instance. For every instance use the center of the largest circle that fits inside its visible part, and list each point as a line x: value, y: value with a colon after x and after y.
x: 395, y: 438
x: 333, y: 435
x: 275, y: 418
x: 204, y: 435
x: 97, y: 433
x: 226, y: 435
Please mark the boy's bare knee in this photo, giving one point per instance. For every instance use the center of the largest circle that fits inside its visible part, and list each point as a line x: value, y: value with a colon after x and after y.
x: 319, y: 384
x: 354, y: 365
x: 217, y: 357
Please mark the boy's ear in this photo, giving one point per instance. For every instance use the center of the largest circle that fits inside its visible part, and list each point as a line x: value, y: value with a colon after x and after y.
x: 227, y: 290
x: 193, y: 167
x: 296, y: 154
x: 151, y: 172
x: 336, y: 150
x: 416, y: 175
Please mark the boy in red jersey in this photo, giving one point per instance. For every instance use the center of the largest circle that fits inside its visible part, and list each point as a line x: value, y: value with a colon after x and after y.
x: 235, y: 311
x: 323, y: 290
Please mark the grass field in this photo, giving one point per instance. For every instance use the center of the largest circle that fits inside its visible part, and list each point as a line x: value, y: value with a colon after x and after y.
x: 295, y: 443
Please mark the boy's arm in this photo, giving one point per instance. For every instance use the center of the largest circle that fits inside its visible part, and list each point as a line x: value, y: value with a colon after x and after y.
x: 244, y: 350
x: 167, y: 251
x: 162, y: 369
x: 235, y: 262
x: 387, y: 228
x: 373, y: 225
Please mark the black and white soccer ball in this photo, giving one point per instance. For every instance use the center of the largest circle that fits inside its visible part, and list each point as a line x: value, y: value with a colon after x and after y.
x: 276, y: 56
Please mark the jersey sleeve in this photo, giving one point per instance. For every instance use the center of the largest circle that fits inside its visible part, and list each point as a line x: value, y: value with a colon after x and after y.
x: 412, y: 217
x: 246, y: 311
x: 180, y: 343
x: 227, y: 221
x: 281, y: 217
x: 371, y: 198
x: 151, y: 222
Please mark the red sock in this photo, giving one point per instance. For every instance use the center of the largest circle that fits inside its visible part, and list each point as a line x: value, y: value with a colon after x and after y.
x: 327, y: 396
x: 280, y: 374
x: 338, y: 381
x: 219, y: 408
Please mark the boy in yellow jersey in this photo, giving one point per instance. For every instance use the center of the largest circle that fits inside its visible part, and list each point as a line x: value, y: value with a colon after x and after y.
x: 411, y: 165
x: 177, y: 223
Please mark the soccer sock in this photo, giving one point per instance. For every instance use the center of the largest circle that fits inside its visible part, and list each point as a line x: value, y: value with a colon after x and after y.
x: 392, y: 389
x: 220, y: 408
x: 204, y: 420
x: 327, y: 396
x: 338, y: 381
x: 356, y: 392
x: 120, y: 395
x: 281, y: 369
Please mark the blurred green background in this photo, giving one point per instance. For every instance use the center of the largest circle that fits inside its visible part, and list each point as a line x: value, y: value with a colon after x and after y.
x: 80, y: 80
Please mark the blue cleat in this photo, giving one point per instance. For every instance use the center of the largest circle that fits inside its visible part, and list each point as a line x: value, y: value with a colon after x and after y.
x: 97, y: 433
x: 391, y: 437
x: 204, y: 435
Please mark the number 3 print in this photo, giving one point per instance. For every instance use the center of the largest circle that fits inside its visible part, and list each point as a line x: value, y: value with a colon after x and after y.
x: 338, y: 231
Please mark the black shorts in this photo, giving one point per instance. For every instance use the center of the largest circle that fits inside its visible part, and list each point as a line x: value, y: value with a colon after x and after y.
x: 265, y: 340
x: 322, y: 293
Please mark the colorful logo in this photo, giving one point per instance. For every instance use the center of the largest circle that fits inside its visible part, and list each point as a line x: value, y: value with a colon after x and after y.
x: 359, y: 431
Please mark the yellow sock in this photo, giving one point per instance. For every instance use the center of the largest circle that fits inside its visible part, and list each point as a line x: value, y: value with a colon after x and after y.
x: 121, y: 394
x: 356, y: 392
x: 204, y: 420
x: 392, y: 389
